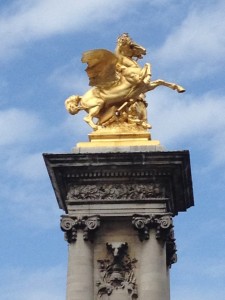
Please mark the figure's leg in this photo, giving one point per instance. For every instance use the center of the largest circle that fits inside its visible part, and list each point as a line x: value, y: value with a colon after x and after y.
x: 173, y: 86
x: 142, y: 111
x: 93, y: 113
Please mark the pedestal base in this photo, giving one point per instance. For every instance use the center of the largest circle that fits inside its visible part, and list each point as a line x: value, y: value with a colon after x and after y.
x: 118, y: 139
x: 119, y: 203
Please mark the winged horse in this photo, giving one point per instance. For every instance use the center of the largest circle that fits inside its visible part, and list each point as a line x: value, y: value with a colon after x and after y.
x: 115, y: 79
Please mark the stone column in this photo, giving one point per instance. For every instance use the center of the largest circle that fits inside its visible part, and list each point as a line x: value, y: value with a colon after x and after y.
x: 154, y: 276
x: 120, y: 184
x: 79, y: 234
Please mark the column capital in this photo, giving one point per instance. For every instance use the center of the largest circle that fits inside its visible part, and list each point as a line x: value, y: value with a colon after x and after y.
x: 162, y: 224
x: 71, y: 224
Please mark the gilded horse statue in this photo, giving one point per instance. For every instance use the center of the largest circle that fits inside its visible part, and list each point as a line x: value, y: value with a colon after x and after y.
x: 119, y: 85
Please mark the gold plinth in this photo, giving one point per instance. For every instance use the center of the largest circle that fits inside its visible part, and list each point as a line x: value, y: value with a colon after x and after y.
x: 118, y: 139
x: 97, y: 137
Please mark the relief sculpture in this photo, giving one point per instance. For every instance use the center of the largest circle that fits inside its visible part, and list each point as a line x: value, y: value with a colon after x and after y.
x: 117, y: 273
x: 109, y: 192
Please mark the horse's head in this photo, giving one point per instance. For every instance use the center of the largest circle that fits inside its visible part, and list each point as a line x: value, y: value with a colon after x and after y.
x: 127, y: 47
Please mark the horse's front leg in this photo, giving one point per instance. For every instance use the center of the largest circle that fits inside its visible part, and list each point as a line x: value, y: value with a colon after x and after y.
x: 173, y: 86
x: 148, y: 73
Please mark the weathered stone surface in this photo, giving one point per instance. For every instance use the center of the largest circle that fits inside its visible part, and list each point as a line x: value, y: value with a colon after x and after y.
x: 127, y: 179
x: 106, y: 196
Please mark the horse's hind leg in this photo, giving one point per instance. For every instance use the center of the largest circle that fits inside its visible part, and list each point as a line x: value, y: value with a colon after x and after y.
x: 180, y: 89
x: 170, y: 85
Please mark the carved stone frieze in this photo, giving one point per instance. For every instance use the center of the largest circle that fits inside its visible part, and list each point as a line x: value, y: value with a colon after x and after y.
x: 170, y: 169
x: 117, y: 272
x: 70, y: 225
x: 116, y: 191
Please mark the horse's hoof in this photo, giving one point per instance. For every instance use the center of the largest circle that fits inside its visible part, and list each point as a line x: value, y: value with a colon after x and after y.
x: 180, y: 89
x: 146, y: 125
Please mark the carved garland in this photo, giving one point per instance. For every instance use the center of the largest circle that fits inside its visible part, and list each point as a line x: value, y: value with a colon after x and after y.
x: 70, y: 225
x: 171, y: 248
x: 107, y: 192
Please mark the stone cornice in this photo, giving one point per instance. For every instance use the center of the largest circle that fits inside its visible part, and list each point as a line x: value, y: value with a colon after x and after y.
x: 171, y: 170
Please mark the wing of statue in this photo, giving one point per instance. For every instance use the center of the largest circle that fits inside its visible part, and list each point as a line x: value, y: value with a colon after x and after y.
x: 101, y: 67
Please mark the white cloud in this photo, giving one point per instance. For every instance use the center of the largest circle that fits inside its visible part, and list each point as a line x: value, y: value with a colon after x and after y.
x: 18, y: 126
x: 21, y: 284
x: 22, y: 130
x: 197, y: 45
x: 189, y: 119
x: 184, y: 116
x: 76, y: 127
x: 70, y: 77
x: 28, y: 21
x: 29, y: 166
x: 32, y: 203
x: 25, y: 186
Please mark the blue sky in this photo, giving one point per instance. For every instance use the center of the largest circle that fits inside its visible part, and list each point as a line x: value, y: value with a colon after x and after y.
x: 40, y: 50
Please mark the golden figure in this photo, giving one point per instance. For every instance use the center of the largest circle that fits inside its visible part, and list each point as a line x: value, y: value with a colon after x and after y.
x: 119, y: 84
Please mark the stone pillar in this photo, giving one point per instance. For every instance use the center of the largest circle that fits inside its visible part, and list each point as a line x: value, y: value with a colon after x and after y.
x: 154, y: 232
x: 79, y: 234
x: 153, y: 278
x: 143, y: 187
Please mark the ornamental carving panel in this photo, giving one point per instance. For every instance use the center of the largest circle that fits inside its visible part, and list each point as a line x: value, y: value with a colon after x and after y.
x: 117, y: 273
x: 112, y: 192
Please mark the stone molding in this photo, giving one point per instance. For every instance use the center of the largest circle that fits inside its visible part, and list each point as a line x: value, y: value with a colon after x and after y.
x: 163, y: 225
x: 70, y: 225
x: 115, y: 192
x: 117, y: 272
x: 170, y: 169
x: 117, y: 174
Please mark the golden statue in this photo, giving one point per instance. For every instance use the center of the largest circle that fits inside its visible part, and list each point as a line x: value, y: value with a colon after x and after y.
x: 119, y: 84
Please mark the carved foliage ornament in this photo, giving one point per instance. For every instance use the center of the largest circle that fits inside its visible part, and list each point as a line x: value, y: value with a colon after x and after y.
x: 117, y: 273
x: 109, y: 192
x: 70, y: 225
x: 171, y: 248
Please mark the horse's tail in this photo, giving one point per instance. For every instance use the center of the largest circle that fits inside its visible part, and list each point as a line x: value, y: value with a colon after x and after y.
x: 72, y: 104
